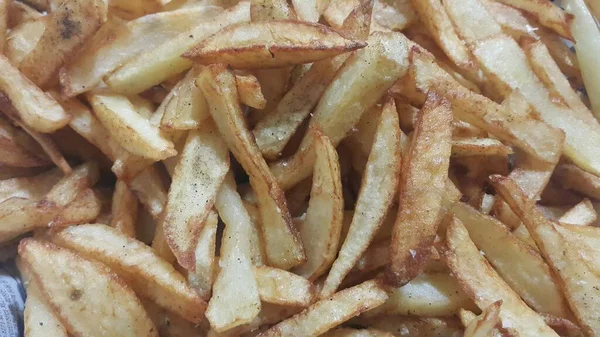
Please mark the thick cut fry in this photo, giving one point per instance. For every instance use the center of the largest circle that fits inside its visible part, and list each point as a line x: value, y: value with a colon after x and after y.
x: 33, y: 188
x: 202, y: 167
x: 547, y: 13
x: 275, y: 130
x: 155, y: 278
x: 429, y: 295
x: 89, y: 299
x: 132, y: 131
x: 249, y: 90
x: 468, y: 147
x: 282, y: 287
x: 510, y: 69
x: 116, y: 43
x: 580, y: 284
x: 484, y: 324
x: 547, y: 70
x: 236, y: 298
x: 322, y: 226
x: 27, y: 103
x: 379, y: 187
x: 67, y: 28
x: 330, y: 312
x: 485, y: 287
x: 582, y: 214
x: 271, y: 44
x: 283, y: 246
x: 124, y: 209
x: 165, y: 61
x: 201, y: 278
x: 424, y: 173
x: 471, y: 10
x: 520, y: 267
x: 574, y: 178
x: 358, y: 85
x: 187, y: 107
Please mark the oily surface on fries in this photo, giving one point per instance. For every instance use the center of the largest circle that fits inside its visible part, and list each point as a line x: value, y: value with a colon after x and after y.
x: 342, y: 168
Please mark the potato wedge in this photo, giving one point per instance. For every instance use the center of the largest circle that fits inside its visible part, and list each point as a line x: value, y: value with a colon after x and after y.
x: 282, y: 287
x: 485, y: 287
x: 249, y: 90
x: 271, y: 44
x: 203, y: 165
x: 379, y: 187
x: 320, y: 231
x: 82, y: 294
x: 547, y: 13
x: 578, y: 281
x: 484, y: 324
x: 116, y: 43
x: 424, y: 173
x: 123, y: 254
x: 235, y: 299
x: 67, y: 28
x: 428, y: 295
x: 514, y: 261
x: 370, y: 72
x: 202, y: 277
x: 582, y: 214
x: 132, y: 131
x: 26, y: 102
x: 330, y: 312
x: 164, y: 61
x: 124, y: 209
x: 283, y: 246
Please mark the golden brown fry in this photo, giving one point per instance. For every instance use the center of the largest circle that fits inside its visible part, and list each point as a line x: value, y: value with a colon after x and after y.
x: 283, y: 246
x: 424, y: 173
x: 22, y: 39
x: 131, y: 9
x: 83, y: 294
x: 19, y: 149
x: 202, y: 277
x: 485, y: 287
x: 203, y: 164
x: 250, y: 92
x: 574, y: 178
x: 282, y: 287
x: 68, y: 27
x: 467, y: 147
x: 49, y: 147
x: 150, y: 190
x: 330, y: 312
x: 547, y: 13
x: 124, y: 209
x: 416, y: 326
x: 269, y: 10
x: 271, y: 44
x: 484, y: 324
x: 32, y: 188
x: 320, y: 231
x: 186, y: 108
x: 20, y: 13
x: 379, y: 187
x: 580, y: 284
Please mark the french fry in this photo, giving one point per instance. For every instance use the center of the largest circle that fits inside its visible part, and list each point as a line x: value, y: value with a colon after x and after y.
x: 67, y: 28
x: 485, y: 287
x: 150, y: 191
x: 330, y: 312
x: 420, y: 193
x: 468, y: 147
x: 514, y: 261
x: 27, y: 103
x: 187, y: 108
x: 574, y: 178
x: 124, y: 209
x: 22, y: 39
x: 346, y: 332
x: 4, y: 8
x: 310, y: 10
x: 132, y: 131
x: 582, y: 214
x: 547, y: 13
x: 584, y: 241
x: 380, y: 183
x: 135, y: 8
x: 203, y: 165
x: 20, y: 13
x: 32, y: 188
x: 164, y: 61
x: 233, y: 302
x: 371, y: 71
x: 82, y: 294
x: 416, y: 326
x: 48, y: 146
x: 268, y: 10
x: 203, y: 274
x: 322, y: 226
x: 249, y: 90
x: 123, y: 254
x: 18, y: 149
x: 395, y: 15
x: 170, y: 324
x: 282, y: 287
x: 484, y: 324
x: 428, y: 295
x: 303, y: 96
x: 254, y: 45
x: 578, y: 281
x: 218, y: 86
x: 484, y: 26
x: 117, y: 42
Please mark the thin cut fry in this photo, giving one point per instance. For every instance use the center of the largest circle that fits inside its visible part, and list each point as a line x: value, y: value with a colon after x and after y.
x: 82, y: 294
x: 124, y: 209
x: 380, y: 183
x: 203, y: 165
x: 283, y: 247
x: 424, y: 173
x: 282, y: 287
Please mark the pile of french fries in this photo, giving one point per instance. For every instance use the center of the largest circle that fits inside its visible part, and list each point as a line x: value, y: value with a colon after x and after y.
x: 331, y: 168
